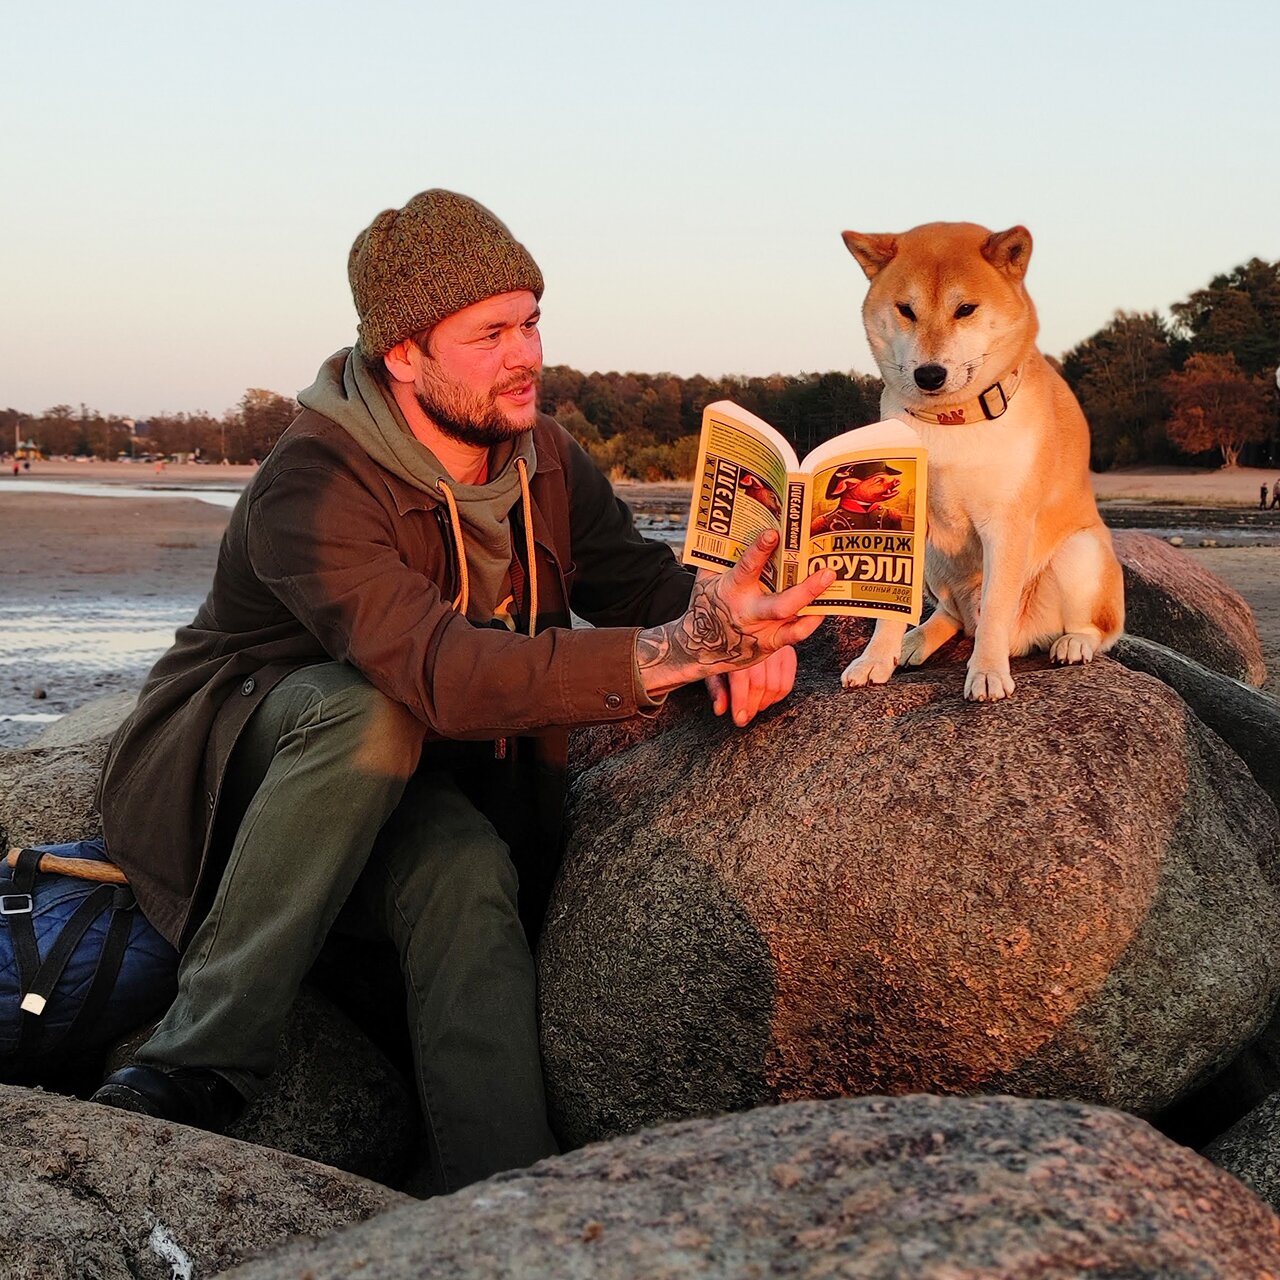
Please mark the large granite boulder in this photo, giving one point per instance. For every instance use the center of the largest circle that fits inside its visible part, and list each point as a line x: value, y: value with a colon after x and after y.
x: 1250, y: 1150
x: 1176, y: 602
x: 334, y: 1098
x: 94, y: 1192
x: 99, y: 718
x: 46, y: 794
x: 47, y: 787
x: 1250, y: 1082
x: 1072, y: 893
x: 873, y: 1189
x: 1246, y: 720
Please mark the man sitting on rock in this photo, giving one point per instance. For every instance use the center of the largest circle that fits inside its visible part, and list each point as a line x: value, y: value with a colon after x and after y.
x: 368, y: 714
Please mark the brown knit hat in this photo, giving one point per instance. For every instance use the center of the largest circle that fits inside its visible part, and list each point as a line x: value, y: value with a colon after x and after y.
x: 413, y: 266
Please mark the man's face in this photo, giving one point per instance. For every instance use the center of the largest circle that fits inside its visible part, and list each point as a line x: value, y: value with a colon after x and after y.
x: 478, y: 380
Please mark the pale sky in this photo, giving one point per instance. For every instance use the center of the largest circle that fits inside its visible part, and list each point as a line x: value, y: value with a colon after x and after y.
x: 182, y: 182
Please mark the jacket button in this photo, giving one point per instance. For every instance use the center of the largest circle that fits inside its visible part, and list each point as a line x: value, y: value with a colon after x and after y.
x: 613, y: 701
x: 249, y: 686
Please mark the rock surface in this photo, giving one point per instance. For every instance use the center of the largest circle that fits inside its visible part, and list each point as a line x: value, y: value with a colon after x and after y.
x: 47, y: 787
x: 334, y: 1098
x: 97, y: 719
x: 874, y: 1188
x: 1174, y: 601
x: 46, y: 794
x: 1250, y: 1150
x: 1246, y: 720
x: 1069, y: 894
x: 1251, y: 1081
x: 94, y: 1192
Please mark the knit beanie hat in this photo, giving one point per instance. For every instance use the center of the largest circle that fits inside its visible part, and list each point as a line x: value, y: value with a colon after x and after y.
x: 413, y: 266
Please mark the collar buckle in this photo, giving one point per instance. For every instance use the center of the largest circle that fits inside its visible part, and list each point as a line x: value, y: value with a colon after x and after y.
x: 988, y: 412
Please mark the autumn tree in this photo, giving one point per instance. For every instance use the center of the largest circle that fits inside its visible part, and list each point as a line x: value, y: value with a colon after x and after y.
x: 1216, y: 406
x: 576, y: 423
x: 259, y: 421
x: 559, y: 385
x: 661, y: 404
x: 1239, y: 313
x: 173, y: 433
x: 1118, y: 376
x: 56, y: 431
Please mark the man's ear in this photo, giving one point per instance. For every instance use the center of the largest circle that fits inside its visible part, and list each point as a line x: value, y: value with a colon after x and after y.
x: 397, y: 362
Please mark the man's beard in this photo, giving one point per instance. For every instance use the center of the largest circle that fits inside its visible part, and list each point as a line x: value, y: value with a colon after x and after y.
x: 472, y: 419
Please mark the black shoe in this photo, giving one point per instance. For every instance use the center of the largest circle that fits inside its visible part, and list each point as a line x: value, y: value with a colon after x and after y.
x: 185, y: 1095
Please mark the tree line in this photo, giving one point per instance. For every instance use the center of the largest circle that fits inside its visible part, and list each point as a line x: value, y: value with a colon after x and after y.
x: 1197, y: 386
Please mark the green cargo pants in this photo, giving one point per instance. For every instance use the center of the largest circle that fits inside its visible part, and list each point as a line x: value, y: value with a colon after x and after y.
x: 337, y: 812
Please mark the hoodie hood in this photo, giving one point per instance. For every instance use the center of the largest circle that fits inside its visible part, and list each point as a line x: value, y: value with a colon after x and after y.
x: 347, y: 393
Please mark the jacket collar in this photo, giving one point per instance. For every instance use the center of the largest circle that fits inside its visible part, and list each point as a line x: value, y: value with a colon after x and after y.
x: 986, y: 408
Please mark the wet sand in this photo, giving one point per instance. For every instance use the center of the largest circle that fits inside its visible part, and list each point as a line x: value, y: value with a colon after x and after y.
x: 92, y: 588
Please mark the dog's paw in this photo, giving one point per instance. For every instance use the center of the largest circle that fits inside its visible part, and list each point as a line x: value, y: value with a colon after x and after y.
x: 1072, y: 647
x: 864, y: 670
x: 988, y: 686
x: 915, y: 647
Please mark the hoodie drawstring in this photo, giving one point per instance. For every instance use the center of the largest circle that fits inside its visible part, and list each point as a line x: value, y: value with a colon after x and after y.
x: 526, y: 505
x: 461, y: 600
x: 455, y: 523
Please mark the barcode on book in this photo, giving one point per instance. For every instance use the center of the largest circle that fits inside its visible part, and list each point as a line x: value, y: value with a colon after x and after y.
x: 712, y: 546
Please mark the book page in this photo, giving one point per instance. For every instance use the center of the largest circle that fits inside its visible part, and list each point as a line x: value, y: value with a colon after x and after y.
x: 867, y: 524
x: 875, y: 438
x: 740, y: 486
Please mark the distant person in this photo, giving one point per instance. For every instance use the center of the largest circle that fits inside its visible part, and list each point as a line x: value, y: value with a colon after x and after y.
x: 1275, y: 494
x: 15, y: 468
x: 1262, y: 500
x: 369, y: 715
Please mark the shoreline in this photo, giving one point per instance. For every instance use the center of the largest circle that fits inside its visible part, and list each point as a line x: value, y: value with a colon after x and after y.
x: 92, y: 588
x: 1233, y: 488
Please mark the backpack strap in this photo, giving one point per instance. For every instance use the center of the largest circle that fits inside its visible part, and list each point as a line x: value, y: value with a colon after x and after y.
x: 18, y: 908
x: 109, y: 961
x: 38, y: 978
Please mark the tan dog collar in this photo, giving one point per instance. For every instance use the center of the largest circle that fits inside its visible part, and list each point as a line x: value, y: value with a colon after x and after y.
x: 986, y: 408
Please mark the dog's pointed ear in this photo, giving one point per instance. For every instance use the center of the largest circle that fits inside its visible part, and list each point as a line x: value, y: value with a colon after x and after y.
x: 873, y: 253
x: 1009, y: 251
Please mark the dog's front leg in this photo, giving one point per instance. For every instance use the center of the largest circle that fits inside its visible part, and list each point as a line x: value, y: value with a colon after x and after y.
x: 876, y: 663
x: 1004, y: 565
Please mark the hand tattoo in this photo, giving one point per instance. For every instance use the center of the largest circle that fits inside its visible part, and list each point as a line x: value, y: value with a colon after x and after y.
x: 705, y: 635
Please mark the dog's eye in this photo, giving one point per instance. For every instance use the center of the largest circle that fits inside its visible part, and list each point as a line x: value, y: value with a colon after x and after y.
x: 966, y: 309
x: 905, y: 311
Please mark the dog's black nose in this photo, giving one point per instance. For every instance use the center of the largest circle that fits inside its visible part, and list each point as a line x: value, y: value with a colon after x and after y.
x: 929, y: 377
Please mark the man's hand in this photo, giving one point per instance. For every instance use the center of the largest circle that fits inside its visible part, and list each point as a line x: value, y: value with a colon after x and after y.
x: 732, y: 624
x: 747, y: 692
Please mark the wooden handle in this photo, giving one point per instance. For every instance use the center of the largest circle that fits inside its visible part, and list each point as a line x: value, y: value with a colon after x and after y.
x: 81, y: 868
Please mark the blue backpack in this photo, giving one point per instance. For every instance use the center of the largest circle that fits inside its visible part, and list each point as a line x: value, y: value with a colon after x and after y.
x: 80, y: 966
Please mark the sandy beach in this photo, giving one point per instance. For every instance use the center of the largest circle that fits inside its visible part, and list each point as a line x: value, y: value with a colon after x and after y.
x: 92, y: 587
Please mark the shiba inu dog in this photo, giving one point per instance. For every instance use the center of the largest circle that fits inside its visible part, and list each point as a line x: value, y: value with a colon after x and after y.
x: 1017, y: 555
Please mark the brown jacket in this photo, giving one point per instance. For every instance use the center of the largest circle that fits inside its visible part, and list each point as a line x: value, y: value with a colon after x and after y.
x: 328, y: 556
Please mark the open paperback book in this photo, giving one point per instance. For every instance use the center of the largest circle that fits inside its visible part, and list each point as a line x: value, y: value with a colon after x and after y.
x: 855, y: 504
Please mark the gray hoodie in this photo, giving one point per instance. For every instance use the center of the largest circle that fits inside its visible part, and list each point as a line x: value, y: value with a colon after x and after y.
x: 346, y: 392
